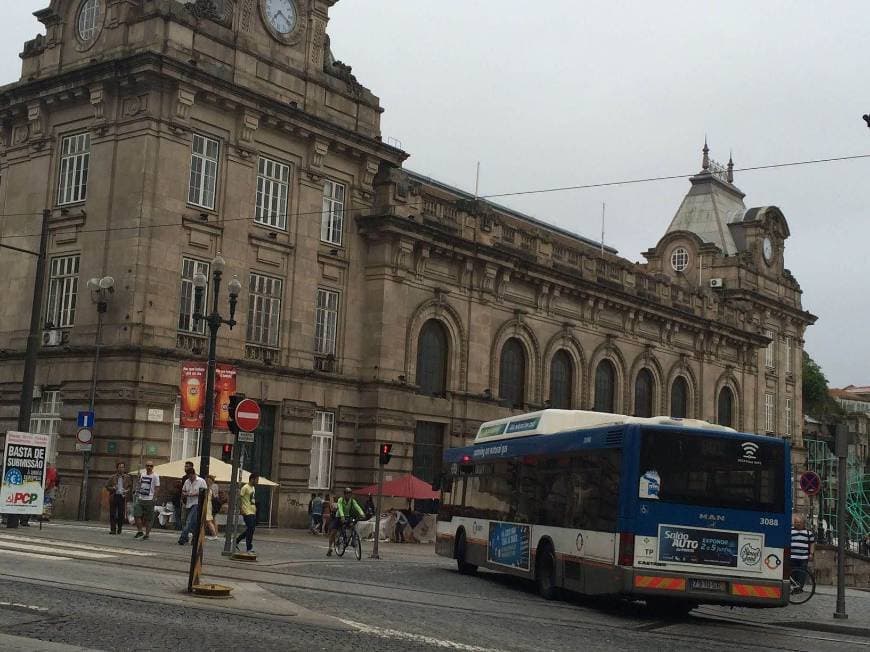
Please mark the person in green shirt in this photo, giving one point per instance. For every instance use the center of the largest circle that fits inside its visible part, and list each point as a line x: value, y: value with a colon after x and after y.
x: 346, y: 507
x: 248, y: 509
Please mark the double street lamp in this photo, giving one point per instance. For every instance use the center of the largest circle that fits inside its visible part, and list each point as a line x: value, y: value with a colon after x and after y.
x: 214, y: 321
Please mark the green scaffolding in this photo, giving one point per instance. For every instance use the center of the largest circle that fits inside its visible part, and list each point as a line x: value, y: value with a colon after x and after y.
x: 822, y: 461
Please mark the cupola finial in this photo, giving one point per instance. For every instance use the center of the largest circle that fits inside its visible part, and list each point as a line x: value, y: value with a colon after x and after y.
x: 705, y: 162
x: 730, y: 176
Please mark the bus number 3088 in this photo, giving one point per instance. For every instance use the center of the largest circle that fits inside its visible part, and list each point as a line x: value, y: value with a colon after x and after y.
x: 770, y: 521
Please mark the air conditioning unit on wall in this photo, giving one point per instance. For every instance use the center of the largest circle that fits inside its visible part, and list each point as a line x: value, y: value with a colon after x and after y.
x: 717, y: 283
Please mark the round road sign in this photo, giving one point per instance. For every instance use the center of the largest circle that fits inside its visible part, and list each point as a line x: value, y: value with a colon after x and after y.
x: 84, y: 436
x: 248, y: 415
x: 811, y: 483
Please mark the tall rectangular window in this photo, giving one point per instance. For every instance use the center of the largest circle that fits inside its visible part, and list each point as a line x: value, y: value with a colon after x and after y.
x: 189, y: 267
x: 326, y: 322
x: 45, y: 419
x: 75, y: 154
x: 769, y: 413
x: 770, y: 351
x: 185, y: 441
x: 203, y: 171
x: 63, y: 285
x: 273, y: 179
x: 788, y: 417
x: 789, y: 350
x: 264, y: 310
x: 332, y: 219
x: 320, y: 469
x: 428, y: 450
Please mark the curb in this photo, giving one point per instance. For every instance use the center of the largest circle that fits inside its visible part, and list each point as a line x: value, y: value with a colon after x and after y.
x: 820, y: 626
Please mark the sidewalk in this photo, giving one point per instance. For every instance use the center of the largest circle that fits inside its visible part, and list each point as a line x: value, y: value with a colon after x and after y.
x: 816, y: 614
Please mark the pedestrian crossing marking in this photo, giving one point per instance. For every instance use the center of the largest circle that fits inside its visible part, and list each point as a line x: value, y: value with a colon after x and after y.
x: 32, y: 555
x: 86, y: 551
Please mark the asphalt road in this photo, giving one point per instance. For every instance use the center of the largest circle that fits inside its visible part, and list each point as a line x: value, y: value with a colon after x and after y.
x: 78, y: 586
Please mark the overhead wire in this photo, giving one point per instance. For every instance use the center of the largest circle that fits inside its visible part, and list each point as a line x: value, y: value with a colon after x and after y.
x: 586, y: 186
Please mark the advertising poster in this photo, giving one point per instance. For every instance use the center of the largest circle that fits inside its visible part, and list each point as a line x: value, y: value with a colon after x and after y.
x: 687, y: 545
x: 225, y: 386
x: 509, y: 545
x: 192, y: 390
x: 22, y: 490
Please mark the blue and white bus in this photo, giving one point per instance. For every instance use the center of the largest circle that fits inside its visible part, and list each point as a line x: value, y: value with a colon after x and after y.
x: 676, y: 512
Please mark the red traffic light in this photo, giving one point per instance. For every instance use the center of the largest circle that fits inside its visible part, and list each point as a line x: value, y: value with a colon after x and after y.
x: 385, y: 453
x: 227, y: 453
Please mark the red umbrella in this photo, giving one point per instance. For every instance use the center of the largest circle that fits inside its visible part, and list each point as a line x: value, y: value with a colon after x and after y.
x: 405, y: 486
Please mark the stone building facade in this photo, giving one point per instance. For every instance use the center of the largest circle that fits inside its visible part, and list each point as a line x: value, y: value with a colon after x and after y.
x: 377, y: 304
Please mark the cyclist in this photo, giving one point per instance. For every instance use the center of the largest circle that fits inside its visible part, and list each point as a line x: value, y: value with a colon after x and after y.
x: 345, y: 509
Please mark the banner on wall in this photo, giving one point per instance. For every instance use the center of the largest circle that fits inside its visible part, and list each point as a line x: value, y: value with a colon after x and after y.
x: 22, y: 488
x: 192, y: 388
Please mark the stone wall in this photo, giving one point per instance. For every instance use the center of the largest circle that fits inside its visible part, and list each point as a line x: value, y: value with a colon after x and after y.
x: 857, y: 568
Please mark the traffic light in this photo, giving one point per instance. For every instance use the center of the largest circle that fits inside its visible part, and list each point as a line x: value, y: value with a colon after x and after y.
x: 385, y: 454
x: 235, y: 399
x: 227, y: 453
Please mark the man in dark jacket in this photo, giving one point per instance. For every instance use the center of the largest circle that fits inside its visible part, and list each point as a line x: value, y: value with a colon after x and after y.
x: 119, y: 487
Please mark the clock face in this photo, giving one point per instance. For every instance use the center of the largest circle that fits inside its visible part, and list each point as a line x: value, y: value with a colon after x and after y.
x: 767, y: 249
x: 281, y: 15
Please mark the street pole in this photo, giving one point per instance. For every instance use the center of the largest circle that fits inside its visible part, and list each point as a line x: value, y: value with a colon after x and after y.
x: 233, y: 502
x: 214, y: 321
x: 842, y: 449
x: 28, y: 379
x: 375, y: 554
x: 86, y: 455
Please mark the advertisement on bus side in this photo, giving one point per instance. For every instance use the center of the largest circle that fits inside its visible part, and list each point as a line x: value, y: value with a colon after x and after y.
x: 509, y: 545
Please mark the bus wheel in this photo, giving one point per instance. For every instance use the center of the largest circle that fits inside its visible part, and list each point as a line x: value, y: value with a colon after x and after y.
x: 461, y: 548
x: 545, y: 572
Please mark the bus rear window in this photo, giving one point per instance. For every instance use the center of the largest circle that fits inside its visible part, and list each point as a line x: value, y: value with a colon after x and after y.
x: 696, y: 469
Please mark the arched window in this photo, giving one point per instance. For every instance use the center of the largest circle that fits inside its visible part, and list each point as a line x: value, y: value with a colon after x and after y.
x: 643, y: 393
x: 561, y: 380
x: 726, y: 407
x: 680, y: 398
x: 605, y: 387
x: 432, y: 358
x: 512, y: 373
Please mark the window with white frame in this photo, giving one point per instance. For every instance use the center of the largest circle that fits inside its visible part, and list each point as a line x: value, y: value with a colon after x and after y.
x: 320, y: 470
x: 189, y: 267
x: 90, y: 17
x: 769, y: 413
x: 770, y: 351
x: 63, y: 285
x: 75, y: 154
x: 789, y: 350
x: 332, y: 219
x: 203, y: 171
x: 185, y: 441
x: 273, y: 179
x: 264, y: 310
x: 326, y: 322
x: 45, y: 419
x: 788, y: 417
x: 680, y: 259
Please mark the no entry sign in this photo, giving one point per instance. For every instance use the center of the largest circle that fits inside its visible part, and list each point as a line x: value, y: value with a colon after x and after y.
x: 811, y: 483
x: 247, y: 415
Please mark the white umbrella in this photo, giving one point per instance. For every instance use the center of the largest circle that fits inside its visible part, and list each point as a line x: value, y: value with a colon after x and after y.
x: 221, y: 471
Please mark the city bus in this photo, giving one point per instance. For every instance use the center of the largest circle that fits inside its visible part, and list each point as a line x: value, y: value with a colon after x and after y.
x: 675, y: 512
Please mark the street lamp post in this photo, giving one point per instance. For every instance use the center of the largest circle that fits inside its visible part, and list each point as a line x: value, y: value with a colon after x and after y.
x: 214, y: 321
x: 101, y: 292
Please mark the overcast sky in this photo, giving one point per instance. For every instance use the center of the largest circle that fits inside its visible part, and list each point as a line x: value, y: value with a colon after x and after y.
x: 560, y: 93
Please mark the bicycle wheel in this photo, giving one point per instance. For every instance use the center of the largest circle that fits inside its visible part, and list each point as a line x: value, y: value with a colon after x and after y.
x: 802, y: 586
x: 341, y: 542
x: 356, y: 544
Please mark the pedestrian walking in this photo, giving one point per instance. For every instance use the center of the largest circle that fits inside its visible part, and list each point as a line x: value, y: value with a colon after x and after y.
x: 190, y: 493
x: 143, y: 507
x: 182, y: 520
x: 317, y: 514
x: 803, y: 544
x: 119, y: 487
x: 211, y: 499
x: 176, y: 505
x: 369, y: 507
x: 248, y: 509
x: 326, y: 519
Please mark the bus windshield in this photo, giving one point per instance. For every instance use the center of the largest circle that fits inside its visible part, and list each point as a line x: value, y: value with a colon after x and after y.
x: 694, y: 469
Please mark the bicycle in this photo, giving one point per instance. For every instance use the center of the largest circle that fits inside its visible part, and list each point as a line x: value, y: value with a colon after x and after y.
x: 348, y: 537
x: 802, y: 585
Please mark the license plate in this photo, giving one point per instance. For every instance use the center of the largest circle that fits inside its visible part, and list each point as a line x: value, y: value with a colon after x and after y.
x: 714, y: 586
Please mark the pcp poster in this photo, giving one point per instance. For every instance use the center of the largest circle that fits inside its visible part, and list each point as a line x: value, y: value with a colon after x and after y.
x: 23, y: 484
